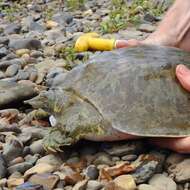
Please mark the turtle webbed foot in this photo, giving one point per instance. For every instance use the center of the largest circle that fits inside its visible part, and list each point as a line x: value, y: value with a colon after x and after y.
x: 56, y: 139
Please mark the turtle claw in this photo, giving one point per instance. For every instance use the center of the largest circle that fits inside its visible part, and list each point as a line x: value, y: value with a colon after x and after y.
x: 56, y: 139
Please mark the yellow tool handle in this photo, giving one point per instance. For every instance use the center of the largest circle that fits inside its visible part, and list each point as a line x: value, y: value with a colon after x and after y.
x: 100, y: 44
x: 92, y: 41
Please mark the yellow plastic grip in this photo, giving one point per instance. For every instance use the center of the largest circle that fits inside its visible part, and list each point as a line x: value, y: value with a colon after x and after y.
x: 92, y: 41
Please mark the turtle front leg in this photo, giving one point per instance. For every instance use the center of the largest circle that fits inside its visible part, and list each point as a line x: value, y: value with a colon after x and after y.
x: 56, y: 138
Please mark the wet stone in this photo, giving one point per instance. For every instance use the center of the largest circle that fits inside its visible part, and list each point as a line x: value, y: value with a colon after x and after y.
x: 37, y: 148
x: 22, y: 75
x: 20, y: 167
x: 3, y: 167
x: 3, y: 182
x: 145, y: 172
x: 16, y: 161
x: 2, y: 75
x: 181, y: 171
x: 13, y: 148
x: 51, y: 159
x: 12, y: 70
x: 123, y: 148
x: 130, y: 157
x: 147, y: 28
x: 162, y: 182
x: 29, y: 186
x: 94, y: 185
x: 13, y: 28
x: 125, y: 182
x: 4, y: 40
x: 3, y: 52
x: 92, y: 172
x: 81, y: 185
x: 48, y: 181
x: 103, y: 158
x: 25, y: 44
x: 25, y: 137
x: 32, y: 158
x: 5, y: 64
x: 147, y: 187
x: 39, y: 169
x: 26, y: 150
x: 62, y: 18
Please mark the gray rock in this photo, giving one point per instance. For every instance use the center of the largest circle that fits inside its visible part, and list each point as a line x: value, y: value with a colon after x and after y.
x: 73, y: 160
x: 58, y: 79
x: 48, y: 181
x: 20, y: 167
x: 103, y: 158
x: 12, y: 149
x: 36, y: 132
x: 55, y: 36
x: 3, y: 167
x: 36, y: 54
x: 54, y: 72
x: 30, y: 25
x: 181, y: 171
x: 145, y: 172
x: 81, y: 185
x: 33, y: 75
x: 4, y: 40
x: 123, y: 148
x: 62, y: 18
x: 22, y: 75
x: 92, y: 172
x: 3, y: 52
x: 147, y: 187
x: 12, y: 70
x: 5, y: 64
x: 26, y: 150
x: 162, y: 182
x: 51, y: 159
x: 32, y: 159
x: 25, y: 137
x: 13, y: 28
x: 37, y: 148
x: 94, y: 185
x: 174, y: 159
x: 130, y: 157
x: 29, y: 186
x: 149, y: 17
x: 10, y: 128
x: 2, y: 75
x: 25, y: 44
x: 147, y: 28
x: 21, y: 92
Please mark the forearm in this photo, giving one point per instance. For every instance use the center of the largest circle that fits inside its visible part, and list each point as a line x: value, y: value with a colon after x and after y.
x: 177, y: 20
x: 174, y: 27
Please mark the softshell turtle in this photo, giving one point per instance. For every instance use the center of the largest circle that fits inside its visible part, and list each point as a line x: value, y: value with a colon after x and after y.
x: 131, y: 91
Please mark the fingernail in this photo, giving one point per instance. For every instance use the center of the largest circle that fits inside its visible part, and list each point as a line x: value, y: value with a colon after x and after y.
x: 121, y: 43
x: 182, y: 70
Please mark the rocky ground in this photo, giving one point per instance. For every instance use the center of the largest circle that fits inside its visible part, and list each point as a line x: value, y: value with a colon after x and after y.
x: 36, y: 48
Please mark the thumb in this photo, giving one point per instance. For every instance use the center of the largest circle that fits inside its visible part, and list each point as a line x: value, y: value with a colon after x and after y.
x: 183, y: 75
x: 127, y: 43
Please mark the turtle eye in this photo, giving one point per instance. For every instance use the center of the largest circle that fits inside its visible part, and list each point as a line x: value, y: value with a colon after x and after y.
x: 52, y: 121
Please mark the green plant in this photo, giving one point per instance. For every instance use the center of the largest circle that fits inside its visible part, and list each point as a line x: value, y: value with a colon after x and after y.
x: 75, y: 4
x: 48, y: 13
x: 10, y: 11
x: 122, y: 13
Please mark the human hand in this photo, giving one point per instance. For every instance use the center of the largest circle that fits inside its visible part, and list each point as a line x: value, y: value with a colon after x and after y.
x: 183, y: 75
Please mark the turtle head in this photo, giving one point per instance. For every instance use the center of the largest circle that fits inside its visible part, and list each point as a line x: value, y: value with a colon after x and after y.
x: 73, y: 117
x: 51, y: 101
